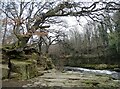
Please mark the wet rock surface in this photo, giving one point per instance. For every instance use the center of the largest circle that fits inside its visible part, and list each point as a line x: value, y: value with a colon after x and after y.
x: 54, y: 78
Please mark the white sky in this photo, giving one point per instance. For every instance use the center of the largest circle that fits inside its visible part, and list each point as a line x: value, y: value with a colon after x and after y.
x: 74, y: 24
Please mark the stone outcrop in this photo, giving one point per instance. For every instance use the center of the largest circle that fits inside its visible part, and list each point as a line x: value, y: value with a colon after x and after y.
x: 26, y: 69
x: 24, y: 64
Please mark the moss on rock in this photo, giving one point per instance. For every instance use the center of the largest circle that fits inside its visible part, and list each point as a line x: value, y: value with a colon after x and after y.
x: 5, y: 70
x: 26, y: 69
x: 46, y: 62
x: 25, y: 62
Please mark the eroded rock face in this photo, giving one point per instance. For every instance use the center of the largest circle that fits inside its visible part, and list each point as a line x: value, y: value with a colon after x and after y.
x: 25, y: 63
x: 5, y: 70
x: 26, y: 69
x: 45, y: 62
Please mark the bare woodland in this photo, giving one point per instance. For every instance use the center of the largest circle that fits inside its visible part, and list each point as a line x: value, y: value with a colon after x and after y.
x: 26, y: 27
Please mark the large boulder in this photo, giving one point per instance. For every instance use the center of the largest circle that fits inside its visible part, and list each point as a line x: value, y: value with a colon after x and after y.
x: 25, y: 63
x: 26, y: 69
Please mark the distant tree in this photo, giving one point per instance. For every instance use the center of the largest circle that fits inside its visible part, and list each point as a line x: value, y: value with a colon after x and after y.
x: 114, y: 42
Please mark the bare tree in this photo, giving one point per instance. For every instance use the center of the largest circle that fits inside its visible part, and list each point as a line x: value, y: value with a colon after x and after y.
x: 35, y: 19
x: 55, y: 38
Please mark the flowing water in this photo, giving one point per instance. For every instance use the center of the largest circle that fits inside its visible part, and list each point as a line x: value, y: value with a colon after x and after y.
x: 113, y: 74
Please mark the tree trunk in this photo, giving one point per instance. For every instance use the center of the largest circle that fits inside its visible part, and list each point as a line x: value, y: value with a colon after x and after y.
x: 3, y: 40
x: 47, y: 49
x: 21, y: 43
x: 40, y: 45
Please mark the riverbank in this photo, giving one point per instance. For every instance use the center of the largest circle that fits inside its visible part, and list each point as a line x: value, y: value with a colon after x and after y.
x: 70, y: 80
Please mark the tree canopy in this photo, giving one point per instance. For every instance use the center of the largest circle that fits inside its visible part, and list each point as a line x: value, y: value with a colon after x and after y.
x: 26, y: 19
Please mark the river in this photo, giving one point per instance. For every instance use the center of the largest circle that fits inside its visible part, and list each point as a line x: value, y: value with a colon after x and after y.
x: 113, y: 74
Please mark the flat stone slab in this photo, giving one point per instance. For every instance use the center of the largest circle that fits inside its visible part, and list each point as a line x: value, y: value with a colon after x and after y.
x: 73, y: 79
x: 55, y: 80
